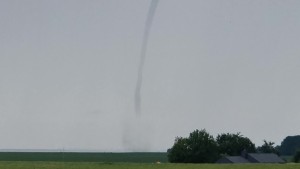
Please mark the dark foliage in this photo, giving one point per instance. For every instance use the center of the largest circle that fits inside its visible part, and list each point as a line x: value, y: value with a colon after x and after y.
x: 290, y: 145
x: 199, y: 147
x: 234, y: 144
x: 178, y: 153
x: 296, y: 158
x: 268, y: 147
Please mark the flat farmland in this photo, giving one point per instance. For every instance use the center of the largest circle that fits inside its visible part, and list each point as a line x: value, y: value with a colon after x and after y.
x: 72, y: 160
x: 95, y: 165
x: 143, y: 157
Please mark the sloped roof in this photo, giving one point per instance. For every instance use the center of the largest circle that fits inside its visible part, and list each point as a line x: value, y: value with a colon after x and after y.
x: 237, y: 159
x: 264, y: 158
x: 252, y: 158
x: 233, y: 159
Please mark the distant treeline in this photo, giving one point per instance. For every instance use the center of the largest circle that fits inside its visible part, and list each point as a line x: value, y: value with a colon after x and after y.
x: 201, y: 147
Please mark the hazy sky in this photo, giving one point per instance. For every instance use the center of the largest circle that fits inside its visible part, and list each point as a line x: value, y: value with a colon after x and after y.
x: 68, y: 70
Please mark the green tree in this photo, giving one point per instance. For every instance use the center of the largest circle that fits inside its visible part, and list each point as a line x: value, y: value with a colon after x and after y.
x: 290, y: 145
x: 297, y: 157
x: 178, y: 153
x: 234, y: 144
x: 199, y: 147
x: 268, y: 147
x: 202, y: 147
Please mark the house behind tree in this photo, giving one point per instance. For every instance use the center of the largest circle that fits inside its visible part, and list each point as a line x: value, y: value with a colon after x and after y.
x: 252, y: 158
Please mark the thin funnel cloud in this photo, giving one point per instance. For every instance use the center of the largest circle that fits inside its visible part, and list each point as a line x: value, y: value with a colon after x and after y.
x: 148, y: 25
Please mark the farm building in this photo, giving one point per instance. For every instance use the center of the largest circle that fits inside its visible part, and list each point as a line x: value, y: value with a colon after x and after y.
x: 252, y: 158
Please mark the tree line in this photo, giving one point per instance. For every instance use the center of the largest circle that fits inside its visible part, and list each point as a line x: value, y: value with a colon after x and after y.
x: 201, y: 147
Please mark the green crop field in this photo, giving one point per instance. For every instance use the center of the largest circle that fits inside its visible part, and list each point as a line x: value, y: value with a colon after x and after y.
x: 95, y: 165
x: 71, y: 160
x: 84, y: 157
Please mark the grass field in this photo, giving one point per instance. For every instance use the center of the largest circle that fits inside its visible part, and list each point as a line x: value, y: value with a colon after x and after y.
x: 94, y: 165
x: 71, y: 160
x: 84, y: 157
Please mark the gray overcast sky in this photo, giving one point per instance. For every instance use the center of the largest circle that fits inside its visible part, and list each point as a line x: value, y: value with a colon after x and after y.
x: 68, y: 70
